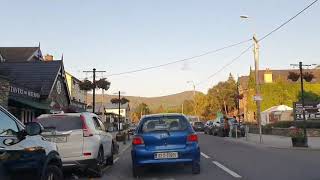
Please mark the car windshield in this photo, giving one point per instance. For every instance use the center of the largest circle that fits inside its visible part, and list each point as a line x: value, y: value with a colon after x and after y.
x: 61, y: 123
x: 166, y: 123
x: 198, y: 123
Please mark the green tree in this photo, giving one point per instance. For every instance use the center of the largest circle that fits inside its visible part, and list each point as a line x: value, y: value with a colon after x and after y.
x: 142, y: 109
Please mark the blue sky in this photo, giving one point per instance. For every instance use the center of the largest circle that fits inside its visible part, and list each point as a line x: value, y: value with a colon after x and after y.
x: 118, y: 36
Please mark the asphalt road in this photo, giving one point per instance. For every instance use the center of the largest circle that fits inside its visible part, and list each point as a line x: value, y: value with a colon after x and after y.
x: 224, y: 159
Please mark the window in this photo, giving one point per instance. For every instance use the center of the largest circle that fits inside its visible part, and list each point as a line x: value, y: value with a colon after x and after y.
x: 169, y: 123
x: 8, y: 126
x: 61, y: 122
x: 96, y: 123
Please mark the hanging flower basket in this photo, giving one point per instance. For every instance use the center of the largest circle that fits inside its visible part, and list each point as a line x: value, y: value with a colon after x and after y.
x: 86, y: 85
x: 114, y: 101
x: 308, y: 76
x: 293, y: 76
x: 103, y: 84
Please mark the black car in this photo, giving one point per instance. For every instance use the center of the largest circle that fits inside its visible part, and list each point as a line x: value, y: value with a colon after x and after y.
x: 24, y: 153
x: 198, y: 126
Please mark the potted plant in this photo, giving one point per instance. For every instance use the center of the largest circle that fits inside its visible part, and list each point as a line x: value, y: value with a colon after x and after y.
x: 293, y: 76
x: 308, y: 76
x: 297, y: 137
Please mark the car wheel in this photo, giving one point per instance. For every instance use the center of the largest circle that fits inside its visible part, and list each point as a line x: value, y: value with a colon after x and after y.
x: 196, y: 168
x: 205, y: 132
x: 53, y: 173
x: 136, y: 171
x: 110, y: 159
x: 100, y: 161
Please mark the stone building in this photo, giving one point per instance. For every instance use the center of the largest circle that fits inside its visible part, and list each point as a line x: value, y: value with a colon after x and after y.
x: 267, y: 76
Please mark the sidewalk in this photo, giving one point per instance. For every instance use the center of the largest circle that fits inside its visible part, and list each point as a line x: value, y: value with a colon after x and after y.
x: 277, y: 141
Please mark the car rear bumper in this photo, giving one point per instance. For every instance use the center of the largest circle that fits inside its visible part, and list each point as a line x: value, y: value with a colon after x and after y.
x: 141, y: 156
x: 82, y: 164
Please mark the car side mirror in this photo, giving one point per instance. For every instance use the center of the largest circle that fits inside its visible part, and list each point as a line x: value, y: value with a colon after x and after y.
x: 33, y: 128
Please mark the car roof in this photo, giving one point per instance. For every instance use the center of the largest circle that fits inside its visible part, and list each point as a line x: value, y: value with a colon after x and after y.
x: 163, y: 114
x: 66, y: 114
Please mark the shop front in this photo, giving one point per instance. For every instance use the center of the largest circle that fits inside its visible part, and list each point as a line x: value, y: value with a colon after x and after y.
x: 25, y: 103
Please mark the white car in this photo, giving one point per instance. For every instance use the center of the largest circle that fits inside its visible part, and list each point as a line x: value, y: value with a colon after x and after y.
x: 81, y: 138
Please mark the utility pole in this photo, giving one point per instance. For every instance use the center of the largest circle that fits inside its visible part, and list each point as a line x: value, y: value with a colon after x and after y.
x: 301, y: 65
x: 258, y: 95
x: 182, y: 108
x: 194, y: 97
x: 119, y: 99
x: 94, y: 71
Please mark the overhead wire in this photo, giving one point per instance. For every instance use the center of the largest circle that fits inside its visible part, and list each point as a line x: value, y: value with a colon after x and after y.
x: 259, y: 40
x: 181, y: 60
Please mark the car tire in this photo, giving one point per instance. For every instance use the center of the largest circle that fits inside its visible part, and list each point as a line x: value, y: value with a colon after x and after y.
x: 109, y: 161
x: 53, y: 172
x: 136, y: 171
x: 100, y: 162
x: 196, y: 168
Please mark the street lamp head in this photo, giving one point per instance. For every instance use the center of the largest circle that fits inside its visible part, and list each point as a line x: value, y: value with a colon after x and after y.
x: 244, y: 17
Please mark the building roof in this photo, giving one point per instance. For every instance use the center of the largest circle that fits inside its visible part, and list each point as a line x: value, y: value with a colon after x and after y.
x: 243, y: 81
x: 20, y: 54
x: 116, y: 106
x: 39, y: 76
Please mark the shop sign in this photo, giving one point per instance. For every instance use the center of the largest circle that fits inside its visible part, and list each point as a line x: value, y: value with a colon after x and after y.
x: 23, y: 92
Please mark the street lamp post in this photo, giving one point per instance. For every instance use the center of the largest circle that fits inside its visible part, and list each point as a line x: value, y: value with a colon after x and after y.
x: 302, y: 99
x: 94, y: 71
x: 257, y: 88
x: 194, y: 96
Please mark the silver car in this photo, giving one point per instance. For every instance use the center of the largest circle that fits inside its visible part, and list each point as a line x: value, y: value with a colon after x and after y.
x: 81, y: 138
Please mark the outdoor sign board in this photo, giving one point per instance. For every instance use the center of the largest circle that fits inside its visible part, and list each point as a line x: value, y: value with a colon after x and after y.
x: 312, y: 111
x: 23, y: 92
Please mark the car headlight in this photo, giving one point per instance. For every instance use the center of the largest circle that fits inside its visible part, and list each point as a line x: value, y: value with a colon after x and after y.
x: 34, y: 149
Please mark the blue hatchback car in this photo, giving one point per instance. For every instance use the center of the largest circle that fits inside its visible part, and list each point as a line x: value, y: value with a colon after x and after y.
x: 165, y: 139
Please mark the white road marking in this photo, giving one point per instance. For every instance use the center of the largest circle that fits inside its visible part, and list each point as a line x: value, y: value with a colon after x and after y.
x: 204, y: 155
x: 115, y: 160
x: 124, y: 149
x: 232, y: 173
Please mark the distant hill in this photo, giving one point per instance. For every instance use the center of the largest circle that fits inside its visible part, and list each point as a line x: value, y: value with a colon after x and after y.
x: 173, y: 100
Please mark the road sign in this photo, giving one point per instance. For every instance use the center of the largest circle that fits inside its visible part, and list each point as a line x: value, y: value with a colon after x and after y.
x: 257, y: 98
x: 312, y: 111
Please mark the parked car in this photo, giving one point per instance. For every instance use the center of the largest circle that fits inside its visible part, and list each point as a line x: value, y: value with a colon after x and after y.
x: 164, y: 139
x: 216, y: 126
x: 207, y: 127
x: 132, y: 129
x: 233, y: 124
x: 198, y: 126
x: 24, y: 153
x: 82, y: 140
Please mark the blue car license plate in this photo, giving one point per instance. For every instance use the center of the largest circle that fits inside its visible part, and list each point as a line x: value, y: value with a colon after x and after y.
x: 166, y: 155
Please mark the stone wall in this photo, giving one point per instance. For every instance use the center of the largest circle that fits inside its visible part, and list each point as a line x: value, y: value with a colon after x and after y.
x: 4, y: 91
x: 283, y: 131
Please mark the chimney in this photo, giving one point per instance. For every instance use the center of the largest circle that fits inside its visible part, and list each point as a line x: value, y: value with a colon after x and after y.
x: 48, y: 57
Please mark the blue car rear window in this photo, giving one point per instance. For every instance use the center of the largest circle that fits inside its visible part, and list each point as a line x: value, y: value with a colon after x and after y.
x: 164, y: 123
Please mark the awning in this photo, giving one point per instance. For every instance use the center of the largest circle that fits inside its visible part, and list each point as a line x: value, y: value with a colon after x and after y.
x: 31, y: 103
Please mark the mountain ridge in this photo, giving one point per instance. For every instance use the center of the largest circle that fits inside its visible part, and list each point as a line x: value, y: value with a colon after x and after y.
x: 167, y: 101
